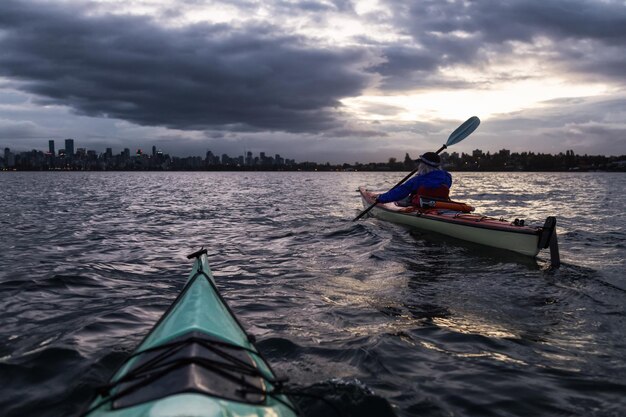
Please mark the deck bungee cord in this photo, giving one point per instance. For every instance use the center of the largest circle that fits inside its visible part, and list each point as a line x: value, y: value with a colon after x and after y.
x: 232, y: 368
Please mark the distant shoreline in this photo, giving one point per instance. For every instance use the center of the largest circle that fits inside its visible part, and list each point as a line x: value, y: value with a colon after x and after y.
x: 477, y: 161
x: 619, y: 169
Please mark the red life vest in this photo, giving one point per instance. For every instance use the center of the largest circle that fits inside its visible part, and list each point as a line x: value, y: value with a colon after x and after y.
x: 442, y: 192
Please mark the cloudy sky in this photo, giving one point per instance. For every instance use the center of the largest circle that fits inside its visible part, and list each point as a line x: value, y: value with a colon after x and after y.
x: 337, y: 81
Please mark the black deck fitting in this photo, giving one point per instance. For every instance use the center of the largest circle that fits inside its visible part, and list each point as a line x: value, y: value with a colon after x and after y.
x: 197, y: 254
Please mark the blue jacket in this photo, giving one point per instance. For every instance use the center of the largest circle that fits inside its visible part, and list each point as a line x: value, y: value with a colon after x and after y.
x: 433, y: 179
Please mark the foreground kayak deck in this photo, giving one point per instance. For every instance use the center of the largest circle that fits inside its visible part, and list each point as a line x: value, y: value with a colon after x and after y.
x: 475, y: 228
x: 197, y: 361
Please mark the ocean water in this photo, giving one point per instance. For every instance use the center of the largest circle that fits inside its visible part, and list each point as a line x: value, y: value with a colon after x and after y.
x: 363, y: 313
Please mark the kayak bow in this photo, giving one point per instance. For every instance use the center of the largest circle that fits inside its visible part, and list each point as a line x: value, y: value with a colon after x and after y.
x: 197, y: 361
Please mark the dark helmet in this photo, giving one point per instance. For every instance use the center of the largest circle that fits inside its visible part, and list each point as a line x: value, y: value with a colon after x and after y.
x: 430, y: 159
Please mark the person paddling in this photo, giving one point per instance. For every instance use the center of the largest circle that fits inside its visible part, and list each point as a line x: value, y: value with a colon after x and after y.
x: 430, y: 181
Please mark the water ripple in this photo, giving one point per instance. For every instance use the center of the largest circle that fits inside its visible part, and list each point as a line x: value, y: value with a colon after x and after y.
x: 351, y: 311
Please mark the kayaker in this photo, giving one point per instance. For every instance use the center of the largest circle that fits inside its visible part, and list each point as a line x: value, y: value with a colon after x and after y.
x: 430, y: 181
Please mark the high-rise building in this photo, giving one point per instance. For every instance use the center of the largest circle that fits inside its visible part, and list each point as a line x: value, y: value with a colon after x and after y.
x: 153, y: 151
x: 109, y: 153
x: 211, y: 159
x: 51, y: 147
x: 9, y: 158
x: 69, y: 147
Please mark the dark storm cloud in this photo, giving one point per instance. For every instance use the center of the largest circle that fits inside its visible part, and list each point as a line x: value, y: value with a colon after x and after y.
x: 198, y: 77
x: 523, y: 20
x: 407, y: 67
x: 587, y: 36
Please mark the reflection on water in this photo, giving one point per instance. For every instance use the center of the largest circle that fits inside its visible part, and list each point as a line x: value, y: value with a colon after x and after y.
x: 491, y: 355
x: 475, y: 325
x: 89, y: 261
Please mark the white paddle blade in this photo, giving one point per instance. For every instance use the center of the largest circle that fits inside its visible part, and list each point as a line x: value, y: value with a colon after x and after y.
x: 463, y: 131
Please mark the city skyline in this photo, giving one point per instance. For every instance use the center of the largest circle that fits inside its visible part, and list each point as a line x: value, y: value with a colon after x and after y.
x: 72, y: 157
x: 70, y: 149
x: 84, y: 159
x: 338, y: 81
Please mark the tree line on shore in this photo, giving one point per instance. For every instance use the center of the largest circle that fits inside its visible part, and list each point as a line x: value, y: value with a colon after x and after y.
x: 504, y: 160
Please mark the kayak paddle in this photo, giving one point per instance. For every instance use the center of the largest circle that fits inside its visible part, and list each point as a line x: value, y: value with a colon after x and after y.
x: 458, y: 135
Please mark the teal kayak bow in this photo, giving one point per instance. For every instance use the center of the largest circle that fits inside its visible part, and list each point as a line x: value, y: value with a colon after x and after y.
x: 197, y: 361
